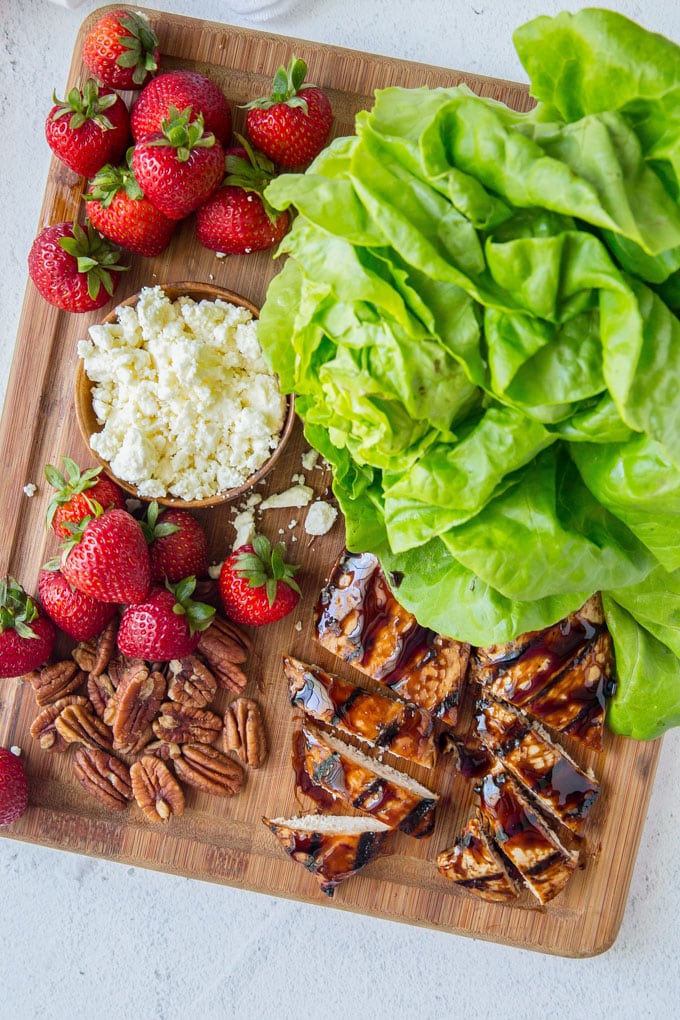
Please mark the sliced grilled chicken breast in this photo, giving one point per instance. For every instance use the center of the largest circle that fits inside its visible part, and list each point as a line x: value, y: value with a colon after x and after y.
x: 537, y: 853
x: 550, y: 775
x: 561, y: 675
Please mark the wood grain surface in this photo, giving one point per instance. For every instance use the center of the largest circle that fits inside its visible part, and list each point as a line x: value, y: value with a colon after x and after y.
x: 224, y: 841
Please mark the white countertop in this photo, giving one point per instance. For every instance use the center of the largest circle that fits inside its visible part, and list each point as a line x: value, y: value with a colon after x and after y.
x: 87, y: 938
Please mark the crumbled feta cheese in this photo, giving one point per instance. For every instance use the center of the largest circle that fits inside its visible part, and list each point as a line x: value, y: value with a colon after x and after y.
x: 30, y: 489
x: 16, y: 750
x: 298, y: 625
x: 244, y: 523
x: 309, y: 459
x: 297, y: 495
x: 214, y: 570
x: 320, y: 518
x: 187, y: 403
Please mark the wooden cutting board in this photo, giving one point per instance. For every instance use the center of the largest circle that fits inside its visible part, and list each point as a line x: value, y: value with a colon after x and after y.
x: 225, y: 841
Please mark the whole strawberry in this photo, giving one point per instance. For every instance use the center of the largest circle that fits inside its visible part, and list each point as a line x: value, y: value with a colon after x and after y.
x: 88, y: 129
x: 181, y: 89
x: 13, y: 787
x: 26, y: 633
x: 167, y: 625
x: 119, y: 209
x: 74, y: 267
x: 72, y: 611
x: 78, y: 494
x: 121, y: 49
x: 236, y: 219
x: 178, y: 545
x: 291, y: 125
x: 107, y: 557
x: 256, y: 585
x: 179, y: 167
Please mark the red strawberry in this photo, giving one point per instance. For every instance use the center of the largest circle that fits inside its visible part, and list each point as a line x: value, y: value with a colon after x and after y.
x: 237, y: 219
x: 166, y: 626
x: 77, y: 614
x: 181, y: 89
x: 13, y: 787
x: 179, y: 167
x: 256, y: 585
x: 73, y: 267
x: 79, y: 494
x: 26, y: 633
x: 107, y: 557
x: 291, y: 125
x: 121, y: 49
x: 88, y: 128
x: 178, y: 545
x: 119, y: 210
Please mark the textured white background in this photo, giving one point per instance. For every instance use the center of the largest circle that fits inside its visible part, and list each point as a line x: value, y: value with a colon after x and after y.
x: 81, y: 938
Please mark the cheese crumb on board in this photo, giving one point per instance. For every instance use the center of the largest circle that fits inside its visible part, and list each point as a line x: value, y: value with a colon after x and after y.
x: 320, y: 518
x: 30, y: 489
x: 309, y: 459
x: 188, y: 405
x: 296, y: 496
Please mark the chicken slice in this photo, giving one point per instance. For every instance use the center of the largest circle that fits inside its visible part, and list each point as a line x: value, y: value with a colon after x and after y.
x: 537, y: 853
x: 359, y: 619
x: 378, y: 719
x: 550, y: 775
x: 561, y: 675
x: 362, y: 782
x: 332, y: 847
x: 474, y: 864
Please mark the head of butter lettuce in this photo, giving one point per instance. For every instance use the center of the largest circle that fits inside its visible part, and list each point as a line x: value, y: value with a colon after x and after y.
x: 478, y: 314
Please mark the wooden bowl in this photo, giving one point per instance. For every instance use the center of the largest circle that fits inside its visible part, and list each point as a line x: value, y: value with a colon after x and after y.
x: 88, y: 424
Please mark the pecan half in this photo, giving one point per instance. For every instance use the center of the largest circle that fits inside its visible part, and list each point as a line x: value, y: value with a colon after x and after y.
x: 106, y: 646
x: 78, y: 724
x: 43, y: 729
x: 100, y: 690
x: 244, y: 732
x: 209, y: 770
x: 184, y: 724
x: 56, y: 680
x: 133, y: 706
x: 163, y: 749
x: 222, y: 647
x: 104, y: 776
x: 155, y: 789
x: 190, y: 682
x: 85, y: 654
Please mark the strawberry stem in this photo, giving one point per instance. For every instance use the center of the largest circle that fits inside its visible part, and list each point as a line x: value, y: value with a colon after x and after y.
x: 264, y: 567
x: 17, y: 609
x: 286, y: 87
x: 199, y: 615
x: 71, y: 483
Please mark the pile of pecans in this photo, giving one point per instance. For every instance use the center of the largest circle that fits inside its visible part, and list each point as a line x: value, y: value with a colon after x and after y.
x: 140, y: 730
